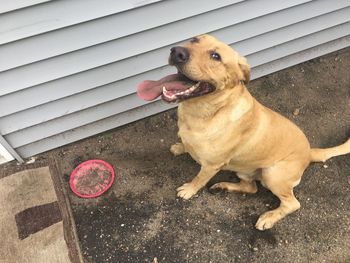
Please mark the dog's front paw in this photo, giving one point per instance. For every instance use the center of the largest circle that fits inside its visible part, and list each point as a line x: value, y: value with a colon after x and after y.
x: 177, y: 149
x: 186, y: 191
x: 266, y: 220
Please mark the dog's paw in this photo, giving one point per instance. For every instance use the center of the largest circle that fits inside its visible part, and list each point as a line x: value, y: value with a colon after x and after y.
x: 266, y: 221
x: 177, y: 149
x: 186, y: 191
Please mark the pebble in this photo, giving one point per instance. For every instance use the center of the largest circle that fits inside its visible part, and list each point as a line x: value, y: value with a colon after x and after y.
x: 31, y: 160
x: 296, y: 112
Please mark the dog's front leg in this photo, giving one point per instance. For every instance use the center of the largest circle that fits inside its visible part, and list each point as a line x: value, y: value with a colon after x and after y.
x: 187, y: 190
x: 177, y: 148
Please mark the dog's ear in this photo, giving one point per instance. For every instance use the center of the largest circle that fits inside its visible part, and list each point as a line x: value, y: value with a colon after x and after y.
x: 245, y: 68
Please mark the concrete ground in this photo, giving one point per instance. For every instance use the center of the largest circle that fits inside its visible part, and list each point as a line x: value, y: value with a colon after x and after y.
x: 141, y: 218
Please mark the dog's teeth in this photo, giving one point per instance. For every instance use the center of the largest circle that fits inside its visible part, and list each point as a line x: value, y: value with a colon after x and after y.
x: 185, y: 92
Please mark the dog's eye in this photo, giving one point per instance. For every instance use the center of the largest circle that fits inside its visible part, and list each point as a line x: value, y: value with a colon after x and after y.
x: 215, y: 56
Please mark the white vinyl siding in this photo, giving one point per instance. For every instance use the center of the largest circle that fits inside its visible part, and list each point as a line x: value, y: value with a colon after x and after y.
x: 69, y: 69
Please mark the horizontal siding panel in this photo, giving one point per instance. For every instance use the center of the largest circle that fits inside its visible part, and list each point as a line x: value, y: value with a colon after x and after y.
x: 31, y: 134
x: 310, y: 26
x: 97, y: 127
x: 62, y: 66
x: 101, y: 30
x: 159, y: 106
x: 301, y: 56
x: 299, y: 44
x: 123, y: 87
x: 75, y: 103
x: 11, y: 5
x: 283, y: 18
x: 72, y: 121
x: 58, y: 14
x: 139, y: 64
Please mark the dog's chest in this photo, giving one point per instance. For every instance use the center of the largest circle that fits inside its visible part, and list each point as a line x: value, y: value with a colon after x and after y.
x: 212, y: 138
x: 206, y: 141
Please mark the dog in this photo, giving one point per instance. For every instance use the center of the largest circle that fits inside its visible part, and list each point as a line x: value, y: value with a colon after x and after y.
x: 223, y: 127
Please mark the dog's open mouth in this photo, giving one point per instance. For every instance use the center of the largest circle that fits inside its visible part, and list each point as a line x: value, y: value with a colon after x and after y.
x: 172, y: 88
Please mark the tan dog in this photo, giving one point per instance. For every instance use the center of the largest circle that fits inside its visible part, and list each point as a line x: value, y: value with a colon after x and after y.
x: 224, y: 128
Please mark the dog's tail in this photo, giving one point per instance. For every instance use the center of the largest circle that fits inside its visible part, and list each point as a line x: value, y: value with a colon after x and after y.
x: 322, y: 155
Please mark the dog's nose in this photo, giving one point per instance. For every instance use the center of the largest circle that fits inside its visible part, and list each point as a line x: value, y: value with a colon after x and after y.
x: 179, y: 55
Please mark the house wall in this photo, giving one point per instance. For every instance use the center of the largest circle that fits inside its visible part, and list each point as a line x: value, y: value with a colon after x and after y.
x: 69, y: 69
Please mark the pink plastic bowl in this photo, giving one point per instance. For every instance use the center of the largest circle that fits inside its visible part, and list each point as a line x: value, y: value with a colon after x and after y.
x: 91, y: 178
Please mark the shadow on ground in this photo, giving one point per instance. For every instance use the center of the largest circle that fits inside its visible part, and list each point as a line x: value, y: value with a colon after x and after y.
x: 140, y: 218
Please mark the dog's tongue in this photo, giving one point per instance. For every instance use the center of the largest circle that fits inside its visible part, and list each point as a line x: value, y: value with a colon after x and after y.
x: 150, y: 90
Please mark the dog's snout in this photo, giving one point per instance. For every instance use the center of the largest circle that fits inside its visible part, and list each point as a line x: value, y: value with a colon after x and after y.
x: 179, y: 55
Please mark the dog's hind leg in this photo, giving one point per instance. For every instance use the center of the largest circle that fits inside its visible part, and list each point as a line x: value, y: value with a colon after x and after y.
x: 244, y: 186
x: 280, y: 180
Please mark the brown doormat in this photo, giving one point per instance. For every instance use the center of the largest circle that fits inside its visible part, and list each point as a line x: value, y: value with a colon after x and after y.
x: 34, y: 220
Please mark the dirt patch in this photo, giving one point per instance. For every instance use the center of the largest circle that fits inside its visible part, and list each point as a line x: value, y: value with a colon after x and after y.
x: 140, y: 218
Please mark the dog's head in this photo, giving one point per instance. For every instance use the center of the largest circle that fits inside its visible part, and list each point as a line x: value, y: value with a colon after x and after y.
x: 205, y: 65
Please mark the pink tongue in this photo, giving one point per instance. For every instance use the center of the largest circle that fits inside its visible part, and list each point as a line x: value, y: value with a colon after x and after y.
x: 150, y: 90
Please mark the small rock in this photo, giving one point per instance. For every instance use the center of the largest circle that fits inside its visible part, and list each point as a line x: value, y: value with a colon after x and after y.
x: 31, y: 160
x: 255, y: 249
x: 296, y: 112
x: 325, y: 166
